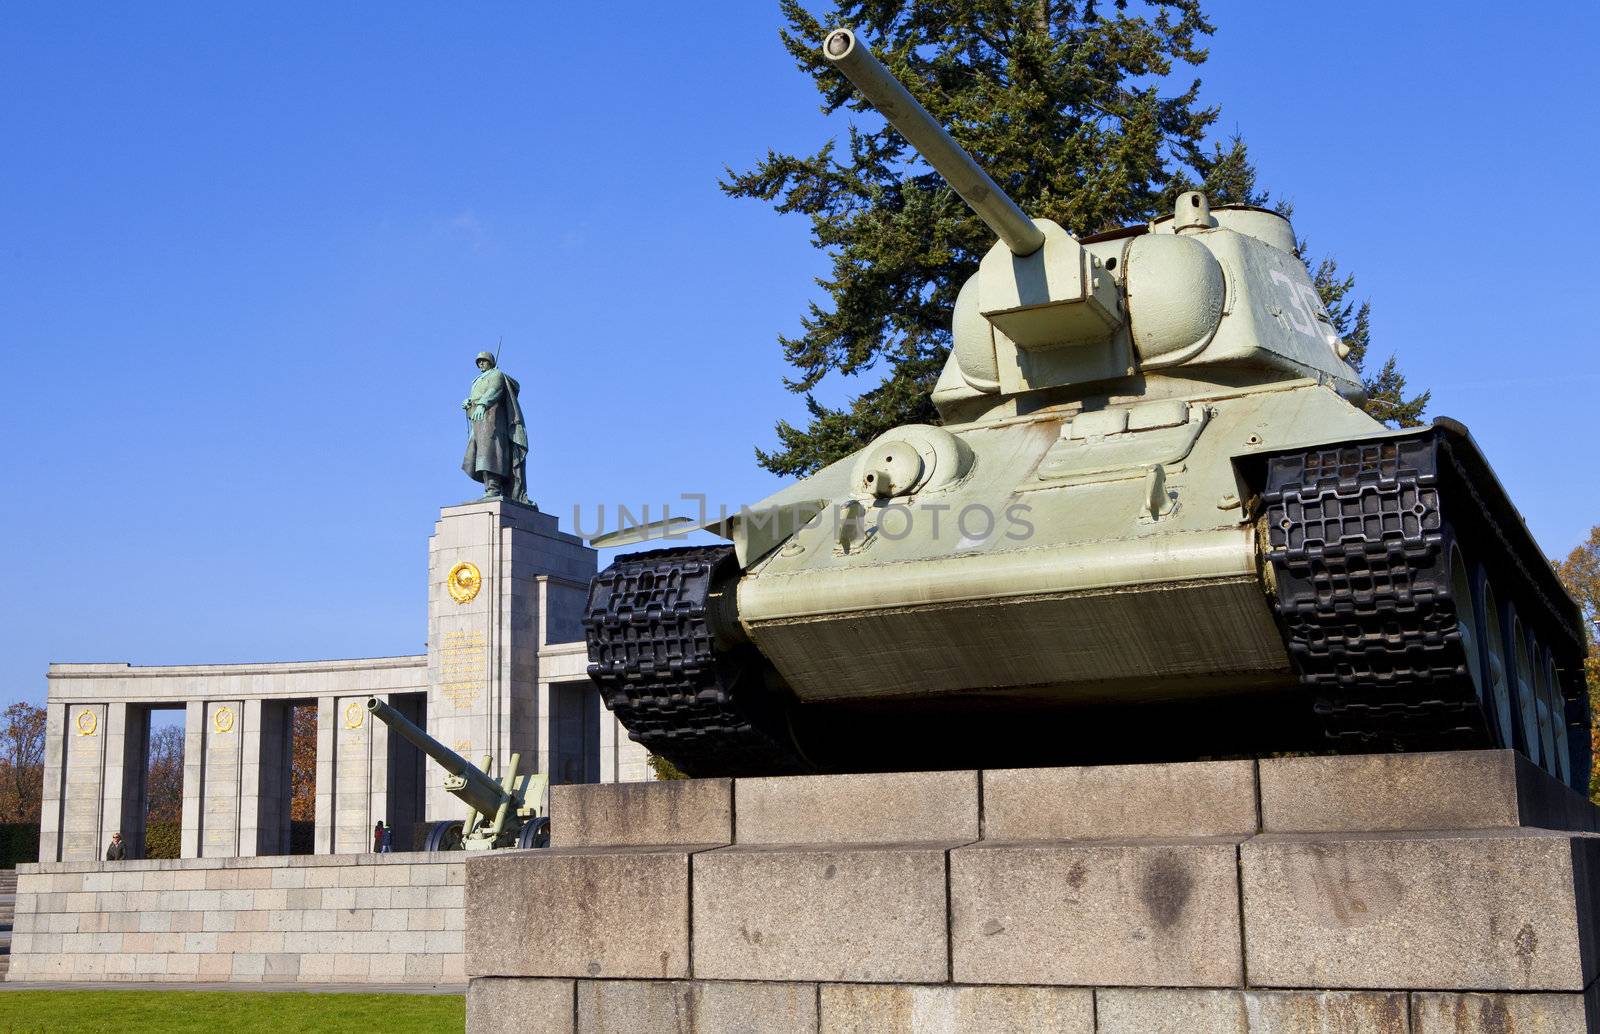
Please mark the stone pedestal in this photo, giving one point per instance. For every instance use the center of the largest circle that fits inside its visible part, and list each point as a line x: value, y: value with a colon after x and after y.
x: 1427, y: 894
x: 503, y: 581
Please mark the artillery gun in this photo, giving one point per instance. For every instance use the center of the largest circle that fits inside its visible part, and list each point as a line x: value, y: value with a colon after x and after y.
x: 1153, y: 524
x: 499, y: 813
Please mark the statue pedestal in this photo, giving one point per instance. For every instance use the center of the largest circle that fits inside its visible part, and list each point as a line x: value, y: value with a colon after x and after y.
x: 503, y: 581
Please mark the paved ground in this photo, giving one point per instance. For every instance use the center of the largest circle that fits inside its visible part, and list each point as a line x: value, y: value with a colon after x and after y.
x: 150, y: 985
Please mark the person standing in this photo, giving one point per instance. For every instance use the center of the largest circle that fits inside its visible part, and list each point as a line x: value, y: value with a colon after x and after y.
x: 497, y: 442
x: 116, y: 852
x: 377, y: 837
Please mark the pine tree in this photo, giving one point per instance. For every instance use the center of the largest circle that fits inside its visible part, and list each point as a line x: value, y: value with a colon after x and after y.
x: 1071, y: 105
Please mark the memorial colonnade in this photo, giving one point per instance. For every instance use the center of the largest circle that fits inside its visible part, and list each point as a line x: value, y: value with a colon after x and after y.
x: 503, y: 673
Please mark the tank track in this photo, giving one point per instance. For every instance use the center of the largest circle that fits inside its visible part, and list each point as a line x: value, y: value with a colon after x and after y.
x: 654, y: 657
x: 1358, y: 538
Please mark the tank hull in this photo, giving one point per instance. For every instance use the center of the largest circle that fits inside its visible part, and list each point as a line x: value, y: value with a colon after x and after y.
x: 1108, y: 613
x: 1078, y: 591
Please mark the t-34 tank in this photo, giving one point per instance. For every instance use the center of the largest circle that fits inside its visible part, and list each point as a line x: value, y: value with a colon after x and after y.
x: 1153, y: 524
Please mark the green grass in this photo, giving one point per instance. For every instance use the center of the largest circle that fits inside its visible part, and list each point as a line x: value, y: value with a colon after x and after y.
x: 235, y: 1012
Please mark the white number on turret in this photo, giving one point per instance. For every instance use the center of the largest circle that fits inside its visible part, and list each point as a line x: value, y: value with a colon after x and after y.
x: 1305, y: 313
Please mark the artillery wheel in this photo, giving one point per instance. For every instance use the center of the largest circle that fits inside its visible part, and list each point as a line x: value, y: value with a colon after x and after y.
x: 444, y: 835
x: 535, y: 833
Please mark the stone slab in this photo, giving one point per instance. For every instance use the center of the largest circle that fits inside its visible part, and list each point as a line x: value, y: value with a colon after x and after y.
x: 1448, y: 790
x: 1437, y: 1012
x: 660, y: 813
x: 1139, y: 913
x: 1250, y: 1012
x: 870, y: 913
x: 887, y: 808
x: 701, y: 1007
x: 501, y: 1005
x: 235, y: 920
x: 1472, y: 911
x: 579, y: 912
x: 1114, y: 802
x: 913, y: 1009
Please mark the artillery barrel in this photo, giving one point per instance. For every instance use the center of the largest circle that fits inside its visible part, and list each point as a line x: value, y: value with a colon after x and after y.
x: 1010, y: 223
x: 482, y: 793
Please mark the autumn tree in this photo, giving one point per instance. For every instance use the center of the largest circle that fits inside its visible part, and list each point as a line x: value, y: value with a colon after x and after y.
x: 303, y: 763
x: 164, y: 785
x: 1580, y: 573
x: 1077, y: 110
x: 21, y: 762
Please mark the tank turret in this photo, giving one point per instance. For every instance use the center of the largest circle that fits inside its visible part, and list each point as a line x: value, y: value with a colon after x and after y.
x: 1152, y: 525
x: 1047, y: 310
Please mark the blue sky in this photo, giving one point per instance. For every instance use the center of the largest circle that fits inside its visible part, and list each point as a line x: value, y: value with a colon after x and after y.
x: 248, y: 251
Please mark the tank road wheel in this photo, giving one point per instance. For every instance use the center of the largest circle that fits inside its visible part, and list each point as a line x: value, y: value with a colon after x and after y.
x: 1541, y: 704
x: 535, y: 833
x: 1496, y: 666
x: 1577, y: 737
x: 444, y: 835
x: 1469, y: 625
x: 1529, y: 741
x: 1556, y: 704
x: 1553, y: 714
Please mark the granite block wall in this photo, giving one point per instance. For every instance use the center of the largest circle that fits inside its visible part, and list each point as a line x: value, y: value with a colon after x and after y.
x: 394, y: 918
x: 1286, y: 896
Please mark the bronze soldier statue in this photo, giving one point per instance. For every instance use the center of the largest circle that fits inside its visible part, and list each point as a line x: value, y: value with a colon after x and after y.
x: 497, y: 447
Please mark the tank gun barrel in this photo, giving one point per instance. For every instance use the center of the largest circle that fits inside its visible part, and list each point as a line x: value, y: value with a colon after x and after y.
x: 965, y: 176
x: 466, y: 781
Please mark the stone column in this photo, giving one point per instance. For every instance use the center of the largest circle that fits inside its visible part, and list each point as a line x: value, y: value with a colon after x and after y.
x: 488, y: 612
x: 113, y: 789
x: 267, y: 790
x: 408, y: 773
x: 55, y: 772
x: 323, y: 834
x: 84, y: 791
x: 253, y: 780
x: 223, y: 782
x: 127, y: 758
x: 610, y: 729
x: 633, y: 761
x: 194, y: 767
x: 353, y: 774
x: 544, y: 733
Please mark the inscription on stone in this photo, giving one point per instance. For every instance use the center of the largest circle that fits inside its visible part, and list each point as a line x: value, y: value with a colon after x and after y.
x: 462, y: 665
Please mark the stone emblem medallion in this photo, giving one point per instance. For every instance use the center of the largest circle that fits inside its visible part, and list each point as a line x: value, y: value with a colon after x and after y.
x: 464, y: 581
x: 222, y: 719
x: 354, y: 715
x: 87, y: 722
